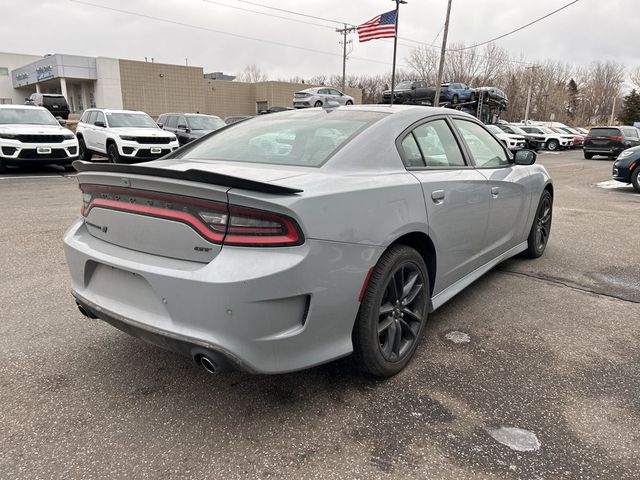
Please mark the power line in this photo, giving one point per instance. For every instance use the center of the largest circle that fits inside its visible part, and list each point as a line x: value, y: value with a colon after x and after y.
x: 295, y: 13
x: 519, y: 28
x: 269, y: 14
x: 221, y: 32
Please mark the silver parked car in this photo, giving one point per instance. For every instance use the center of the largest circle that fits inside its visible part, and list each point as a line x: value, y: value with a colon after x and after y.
x: 320, y: 97
x: 304, y: 236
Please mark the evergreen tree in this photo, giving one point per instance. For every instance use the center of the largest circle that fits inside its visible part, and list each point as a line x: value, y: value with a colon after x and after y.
x: 572, y: 99
x: 630, y: 111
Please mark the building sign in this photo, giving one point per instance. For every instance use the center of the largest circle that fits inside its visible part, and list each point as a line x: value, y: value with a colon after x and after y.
x: 44, y: 72
x: 22, y: 76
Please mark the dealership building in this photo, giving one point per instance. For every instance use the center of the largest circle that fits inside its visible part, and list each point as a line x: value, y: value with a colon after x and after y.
x: 149, y: 86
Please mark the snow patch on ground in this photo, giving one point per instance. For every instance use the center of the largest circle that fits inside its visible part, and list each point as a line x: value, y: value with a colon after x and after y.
x: 458, y: 337
x: 517, y: 439
x: 611, y: 184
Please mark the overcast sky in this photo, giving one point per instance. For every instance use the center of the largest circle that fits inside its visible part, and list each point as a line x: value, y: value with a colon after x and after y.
x: 587, y: 31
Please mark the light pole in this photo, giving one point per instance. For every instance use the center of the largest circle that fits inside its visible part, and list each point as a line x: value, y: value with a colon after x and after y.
x: 443, y: 50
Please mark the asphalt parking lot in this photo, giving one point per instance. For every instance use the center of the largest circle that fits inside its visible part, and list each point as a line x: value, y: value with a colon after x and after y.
x: 550, y: 346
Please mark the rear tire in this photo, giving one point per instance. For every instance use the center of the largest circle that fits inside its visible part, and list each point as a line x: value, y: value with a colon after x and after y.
x: 635, y: 178
x: 83, y: 153
x: 541, y: 228
x: 112, y: 153
x: 553, y: 145
x: 393, y: 313
x: 349, y: 102
x: 454, y: 99
x: 472, y: 97
x: 588, y: 156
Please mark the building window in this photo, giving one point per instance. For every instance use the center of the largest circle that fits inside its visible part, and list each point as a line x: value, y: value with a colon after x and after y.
x: 5, y: 101
x: 4, y: 72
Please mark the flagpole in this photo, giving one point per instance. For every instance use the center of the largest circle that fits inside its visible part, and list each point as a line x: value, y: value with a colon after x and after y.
x: 395, y: 48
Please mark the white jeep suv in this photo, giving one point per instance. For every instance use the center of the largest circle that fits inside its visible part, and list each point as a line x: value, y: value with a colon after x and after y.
x: 123, y: 136
x: 32, y: 136
x: 552, y: 141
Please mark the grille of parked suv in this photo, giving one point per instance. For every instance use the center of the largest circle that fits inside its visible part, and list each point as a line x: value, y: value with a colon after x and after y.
x: 32, y: 154
x: 146, y: 153
x: 153, y: 140
x: 40, y: 138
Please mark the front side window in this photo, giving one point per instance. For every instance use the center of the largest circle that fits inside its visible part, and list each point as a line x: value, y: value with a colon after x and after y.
x: 91, y: 117
x: 486, y: 150
x: 99, y: 118
x: 289, y: 138
x: 126, y: 119
x: 172, y: 121
x: 438, y: 145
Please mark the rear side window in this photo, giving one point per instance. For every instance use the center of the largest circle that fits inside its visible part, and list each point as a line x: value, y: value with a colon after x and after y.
x: 438, y: 145
x: 631, y: 132
x: 604, y: 132
x: 412, y: 155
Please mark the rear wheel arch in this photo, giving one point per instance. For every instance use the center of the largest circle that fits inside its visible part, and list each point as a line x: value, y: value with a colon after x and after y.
x: 422, y: 243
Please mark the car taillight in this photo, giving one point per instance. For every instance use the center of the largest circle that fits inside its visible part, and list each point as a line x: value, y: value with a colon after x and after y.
x: 616, y: 138
x: 217, y: 222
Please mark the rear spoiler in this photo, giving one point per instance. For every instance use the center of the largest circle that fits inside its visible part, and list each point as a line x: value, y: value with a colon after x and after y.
x: 191, y: 175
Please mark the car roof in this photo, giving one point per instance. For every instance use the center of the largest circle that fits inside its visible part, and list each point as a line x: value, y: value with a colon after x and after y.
x: 23, y: 107
x: 111, y: 110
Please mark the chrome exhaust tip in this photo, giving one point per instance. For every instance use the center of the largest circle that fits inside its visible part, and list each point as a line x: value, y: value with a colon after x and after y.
x: 85, y: 312
x: 207, y: 364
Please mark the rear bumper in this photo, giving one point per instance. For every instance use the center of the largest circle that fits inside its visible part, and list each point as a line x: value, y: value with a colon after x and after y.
x: 266, y: 310
x: 603, y: 150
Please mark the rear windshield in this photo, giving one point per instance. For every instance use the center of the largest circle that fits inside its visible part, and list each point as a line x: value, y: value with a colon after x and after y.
x: 287, y: 138
x: 130, y: 120
x: 205, y: 122
x: 604, y: 132
x: 26, y: 116
x: 47, y: 101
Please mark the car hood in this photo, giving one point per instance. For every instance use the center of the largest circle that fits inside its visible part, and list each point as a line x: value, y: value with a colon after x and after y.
x: 514, y: 136
x: 33, y: 129
x: 396, y: 90
x: 141, y: 132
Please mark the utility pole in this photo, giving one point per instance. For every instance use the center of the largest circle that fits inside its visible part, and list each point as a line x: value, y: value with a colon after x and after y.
x: 526, y: 112
x: 443, y: 51
x: 613, y: 110
x: 395, y: 49
x: 345, y: 31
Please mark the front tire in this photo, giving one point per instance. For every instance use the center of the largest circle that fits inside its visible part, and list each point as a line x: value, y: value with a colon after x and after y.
x: 349, y: 102
x: 635, y: 179
x: 112, y: 153
x: 393, y: 313
x: 472, y: 97
x: 541, y: 228
x: 588, y: 156
x: 83, y: 152
x: 317, y: 104
x: 454, y: 99
x: 553, y: 145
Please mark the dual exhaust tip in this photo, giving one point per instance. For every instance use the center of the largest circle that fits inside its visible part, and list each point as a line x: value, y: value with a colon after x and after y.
x: 201, y: 360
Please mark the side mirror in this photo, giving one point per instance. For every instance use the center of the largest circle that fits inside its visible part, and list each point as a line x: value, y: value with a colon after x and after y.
x: 62, y: 122
x: 100, y: 124
x: 524, y: 157
x: 161, y: 125
x: 413, y: 87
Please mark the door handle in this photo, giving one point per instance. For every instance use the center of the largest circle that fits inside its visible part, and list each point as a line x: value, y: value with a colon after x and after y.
x: 437, y: 196
x: 495, y: 191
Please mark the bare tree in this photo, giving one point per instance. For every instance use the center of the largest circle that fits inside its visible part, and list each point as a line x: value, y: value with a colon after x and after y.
x: 634, y: 76
x: 252, y: 74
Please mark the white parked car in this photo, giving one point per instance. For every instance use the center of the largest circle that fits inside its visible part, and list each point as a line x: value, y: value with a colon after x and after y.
x: 552, y: 141
x: 320, y: 97
x: 31, y: 135
x: 511, y: 141
x: 123, y: 136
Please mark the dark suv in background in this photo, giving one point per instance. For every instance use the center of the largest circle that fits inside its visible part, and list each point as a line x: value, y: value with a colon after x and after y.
x: 413, y: 91
x: 55, y: 103
x: 189, y: 126
x: 610, y: 141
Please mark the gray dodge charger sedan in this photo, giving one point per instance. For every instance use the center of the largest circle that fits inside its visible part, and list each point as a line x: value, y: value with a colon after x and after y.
x: 293, y: 239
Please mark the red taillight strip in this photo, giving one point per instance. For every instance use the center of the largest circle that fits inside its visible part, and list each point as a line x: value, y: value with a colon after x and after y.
x: 183, y: 217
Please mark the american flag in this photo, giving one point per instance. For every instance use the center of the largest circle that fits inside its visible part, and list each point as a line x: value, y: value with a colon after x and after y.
x: 382, y: 26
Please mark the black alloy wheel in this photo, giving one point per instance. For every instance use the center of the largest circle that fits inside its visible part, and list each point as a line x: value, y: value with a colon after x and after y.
x: 454, y: 100
x: 541, y: 228
x: 83, y: 153
x: 112, y: 153
x: 393, y: 312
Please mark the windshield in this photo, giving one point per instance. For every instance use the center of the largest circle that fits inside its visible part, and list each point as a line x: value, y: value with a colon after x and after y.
x: 26, y: 116
x: 404, y: 85
x: 130, y: 120
x: 288, y: 138
x: 494, y: 129
x: 517, y: 130
x: 204, y: 122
